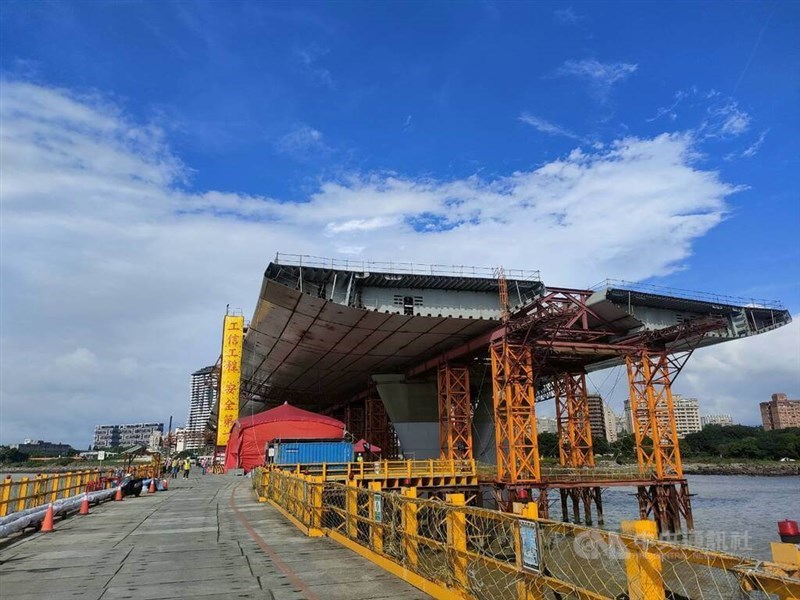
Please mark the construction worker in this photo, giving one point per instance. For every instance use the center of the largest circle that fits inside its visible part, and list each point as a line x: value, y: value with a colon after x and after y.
x: 187, y: 465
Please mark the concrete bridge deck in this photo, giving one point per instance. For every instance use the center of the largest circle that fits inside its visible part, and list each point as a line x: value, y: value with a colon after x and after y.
x: 205, y: 538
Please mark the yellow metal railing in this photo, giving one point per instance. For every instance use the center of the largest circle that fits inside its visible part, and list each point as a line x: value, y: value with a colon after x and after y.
x: 387, y: 469
x: 30, y: 492
x: 469, y: 552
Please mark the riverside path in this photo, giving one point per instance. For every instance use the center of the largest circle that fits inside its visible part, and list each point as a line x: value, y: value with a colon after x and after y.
x: 205, y: 538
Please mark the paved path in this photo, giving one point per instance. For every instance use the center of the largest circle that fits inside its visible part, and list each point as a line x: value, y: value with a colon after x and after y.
x: 206, y: 538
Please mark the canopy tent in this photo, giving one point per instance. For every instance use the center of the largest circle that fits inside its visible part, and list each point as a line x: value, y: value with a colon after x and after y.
x: 250, y: 435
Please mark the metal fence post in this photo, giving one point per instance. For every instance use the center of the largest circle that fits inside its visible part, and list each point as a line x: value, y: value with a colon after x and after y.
x: 410, y: 524
x: 645, y: 580
x: 457, y: 537
x: 23, y: 492
x: 317, y: 484
x: 54, y: 487
x: 376, y: 515
x: 351, y: 507
x: 5, y: 494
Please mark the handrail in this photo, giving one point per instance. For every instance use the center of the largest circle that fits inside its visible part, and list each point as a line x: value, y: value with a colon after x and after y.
x: 384, y: 469
x: 479, y: 552
x: 648, y: 288
x: 30, y: 492
x: 402, y: 268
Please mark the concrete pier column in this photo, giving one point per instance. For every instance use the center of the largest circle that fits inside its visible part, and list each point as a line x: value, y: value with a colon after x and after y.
x: 413, y: 407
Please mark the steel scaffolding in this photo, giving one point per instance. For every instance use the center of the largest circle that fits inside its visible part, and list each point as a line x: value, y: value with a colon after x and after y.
x: 516, y: 438
x: 455, y: 412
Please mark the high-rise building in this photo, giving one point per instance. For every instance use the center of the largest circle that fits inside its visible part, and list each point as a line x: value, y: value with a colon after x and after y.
x: 723, y: 420
x: 627, y: 420
x: 125, y: 436
x: 203, y: 398
x: 780, y: 412
x: 546, y: 425
x: 602, y: 420
x: 687, y: 415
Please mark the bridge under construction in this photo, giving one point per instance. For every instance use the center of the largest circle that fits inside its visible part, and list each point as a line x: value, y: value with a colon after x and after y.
x: 450, y: 363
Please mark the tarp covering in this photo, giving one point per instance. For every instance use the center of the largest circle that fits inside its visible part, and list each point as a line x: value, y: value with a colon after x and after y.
x: 361, y: 446
x: 250, y: 435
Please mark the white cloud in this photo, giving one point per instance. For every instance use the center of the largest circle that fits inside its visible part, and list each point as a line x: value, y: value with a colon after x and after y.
x: 601, y: 76
x: 309, y: 58
x: 753, y: 148
x: 567, y: 16
x: 108, y: 260
x: 79, y: 360
x: 546, y: 126
x: 302, y: 143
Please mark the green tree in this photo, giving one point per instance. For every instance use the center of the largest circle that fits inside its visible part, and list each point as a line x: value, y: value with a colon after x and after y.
x: 548, y: 445
x: 12, y: 455
x: 600, y: 445
x: 745, y: 448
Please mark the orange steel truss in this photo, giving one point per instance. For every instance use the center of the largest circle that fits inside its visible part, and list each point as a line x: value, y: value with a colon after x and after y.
x: 455, y: 412
x: 516, y: 438
x: 653, y: 413
x: 572, y: 418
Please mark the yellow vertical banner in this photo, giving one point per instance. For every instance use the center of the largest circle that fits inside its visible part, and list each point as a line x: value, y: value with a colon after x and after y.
x: 231, y: 376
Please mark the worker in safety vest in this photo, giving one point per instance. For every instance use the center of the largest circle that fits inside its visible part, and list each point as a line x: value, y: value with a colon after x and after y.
x: 187, y: 465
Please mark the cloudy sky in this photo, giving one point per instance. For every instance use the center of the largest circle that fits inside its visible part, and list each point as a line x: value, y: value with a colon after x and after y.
x: 156, y: 156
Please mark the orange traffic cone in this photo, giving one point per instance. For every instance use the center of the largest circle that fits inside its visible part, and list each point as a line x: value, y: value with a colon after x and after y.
x: 152, y: 489
x: 47, y: 524
x: 118, y: 497
x: 85, y: 505
x: 165, y: 483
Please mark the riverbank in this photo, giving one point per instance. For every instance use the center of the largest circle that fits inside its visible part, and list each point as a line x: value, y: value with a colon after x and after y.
x: 752, y: 468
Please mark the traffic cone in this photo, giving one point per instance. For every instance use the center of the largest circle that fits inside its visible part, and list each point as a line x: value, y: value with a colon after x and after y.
x: 152, y: 489
x: 165, y: 483
x: 85, y: 505
x: 118, y: 497
x: 47, y: 524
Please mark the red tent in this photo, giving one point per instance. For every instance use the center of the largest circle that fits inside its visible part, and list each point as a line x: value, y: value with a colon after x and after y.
x: 250, y: 435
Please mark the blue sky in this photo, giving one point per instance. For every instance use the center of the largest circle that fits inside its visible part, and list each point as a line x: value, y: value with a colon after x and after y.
x: 649, y: 141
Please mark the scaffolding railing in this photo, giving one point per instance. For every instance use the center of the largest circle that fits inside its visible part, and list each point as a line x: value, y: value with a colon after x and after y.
x: 720, y: 299
x: 470, y: 552
x: 384, y: 469
x: 401, y: 268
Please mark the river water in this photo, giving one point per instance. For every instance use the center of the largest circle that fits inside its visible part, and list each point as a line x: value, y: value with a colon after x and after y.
x: 732, y: 513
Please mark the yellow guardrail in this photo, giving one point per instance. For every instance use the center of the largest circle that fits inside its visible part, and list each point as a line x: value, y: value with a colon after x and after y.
x: 30, y: 492
x: 387, y: 469
x: 455, y: 551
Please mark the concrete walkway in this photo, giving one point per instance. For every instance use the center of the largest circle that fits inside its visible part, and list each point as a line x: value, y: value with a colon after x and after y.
x: 205, y: 538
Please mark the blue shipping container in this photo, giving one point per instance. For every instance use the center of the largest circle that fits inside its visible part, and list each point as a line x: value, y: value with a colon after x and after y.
x: 313, y: 452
